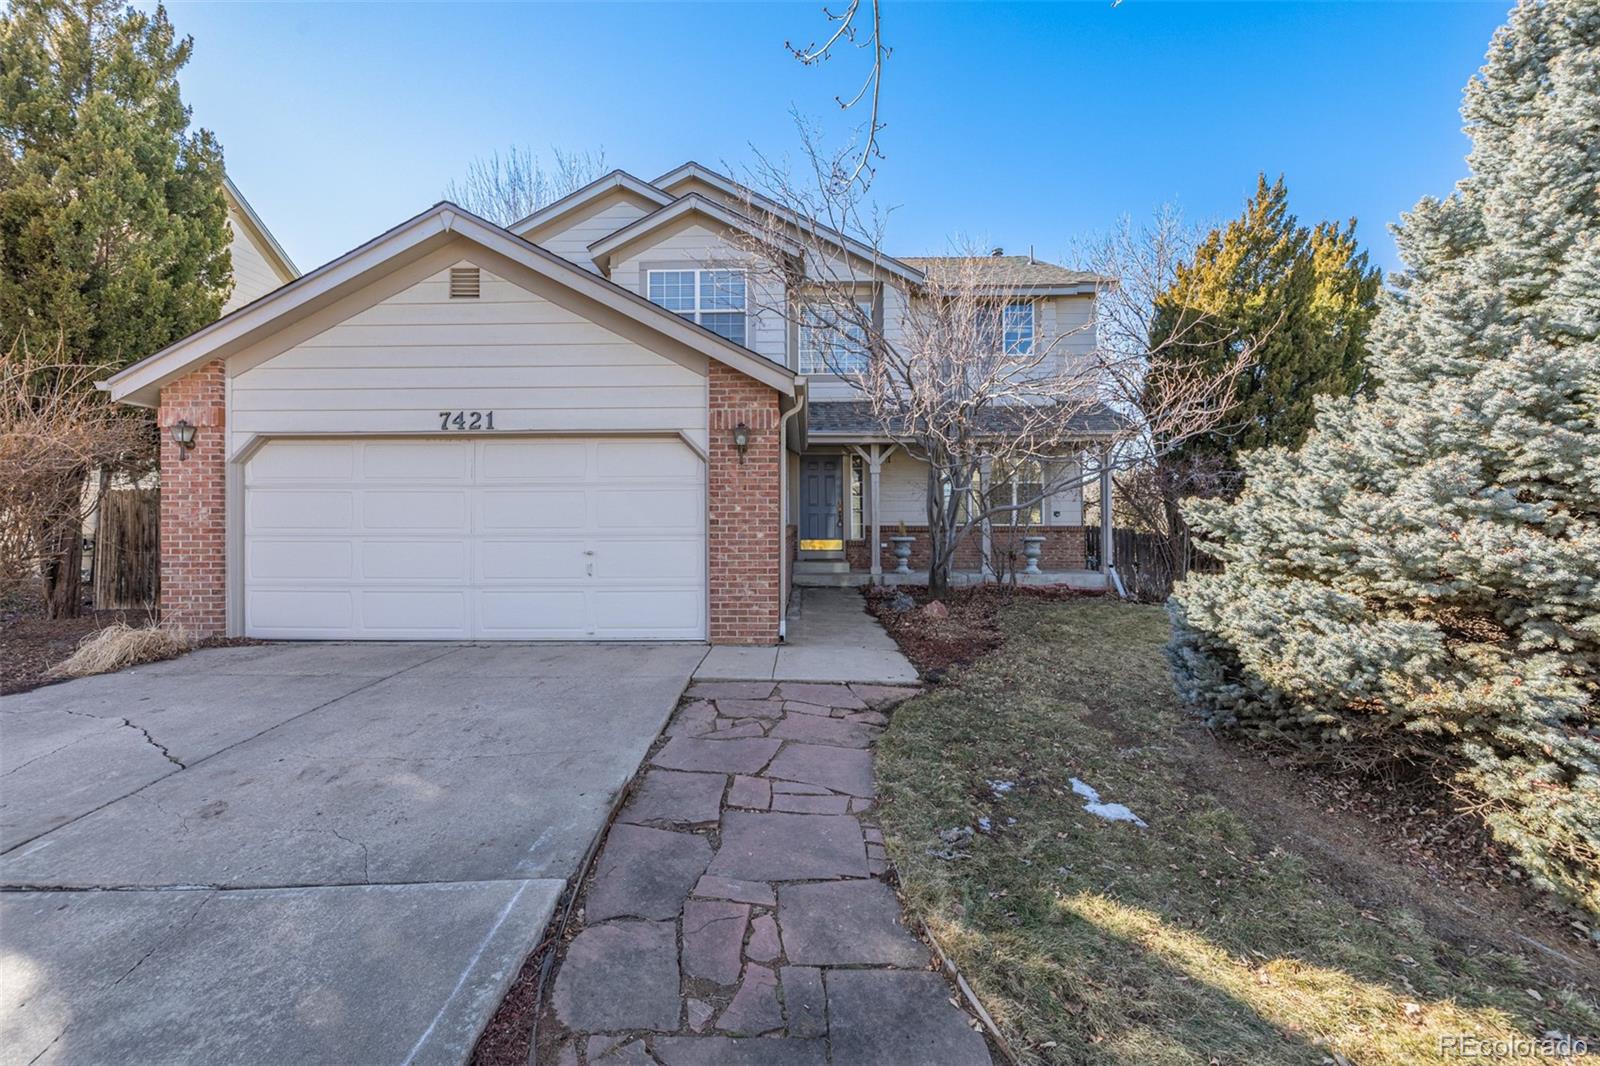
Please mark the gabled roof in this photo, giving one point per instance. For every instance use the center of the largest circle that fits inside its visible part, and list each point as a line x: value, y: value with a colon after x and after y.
x: 691, y: 204
x: 271, y: 250
x: 141, y: 383
x: 721, y: 182
x: 1021, y: 273
x: 578, y: 198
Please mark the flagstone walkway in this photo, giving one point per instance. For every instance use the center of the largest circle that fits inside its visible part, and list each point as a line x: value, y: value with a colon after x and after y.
x: 737, y: 913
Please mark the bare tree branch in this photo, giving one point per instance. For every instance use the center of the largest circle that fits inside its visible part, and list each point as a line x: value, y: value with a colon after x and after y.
x: 859, y: 167
x: 509, y: 187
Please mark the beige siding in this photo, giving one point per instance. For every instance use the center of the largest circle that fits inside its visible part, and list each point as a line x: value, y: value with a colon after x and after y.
x: 394, y: 366
x: 253, y: 275
x: 570, y: 237
x: 695, y: 246
x: 904, y: 485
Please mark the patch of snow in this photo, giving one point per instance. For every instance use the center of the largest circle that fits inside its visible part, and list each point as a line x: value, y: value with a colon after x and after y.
x: 1114, y: 812
x: 983, y: 823
x: 1111, y: 812
x: 1000, y: 788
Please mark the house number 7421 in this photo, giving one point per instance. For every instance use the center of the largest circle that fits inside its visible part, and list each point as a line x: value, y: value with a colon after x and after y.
x: 466, y: 419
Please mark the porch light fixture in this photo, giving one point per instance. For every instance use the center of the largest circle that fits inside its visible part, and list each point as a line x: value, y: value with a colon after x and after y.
x: 741, y: 439
x: 183, y: 437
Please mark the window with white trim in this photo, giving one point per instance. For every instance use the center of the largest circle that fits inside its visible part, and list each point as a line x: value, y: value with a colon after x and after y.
x: 831, y: 345
x: 713, y: 298
x: 1009, y: 326
x: 1019, y: 492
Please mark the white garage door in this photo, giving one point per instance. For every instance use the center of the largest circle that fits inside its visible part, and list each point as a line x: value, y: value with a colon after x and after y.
x: 497, y: 539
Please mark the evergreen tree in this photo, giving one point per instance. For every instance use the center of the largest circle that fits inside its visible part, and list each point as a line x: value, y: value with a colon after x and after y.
x: 1423, y: 575
x: 1307, y: 294
x: 113, y: 221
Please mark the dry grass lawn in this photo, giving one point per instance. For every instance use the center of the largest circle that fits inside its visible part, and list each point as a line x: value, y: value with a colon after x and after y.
x: 1222, y: 933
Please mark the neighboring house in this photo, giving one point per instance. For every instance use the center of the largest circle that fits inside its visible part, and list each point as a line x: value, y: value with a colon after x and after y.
x: 588, y: 425
x: 259, y: 263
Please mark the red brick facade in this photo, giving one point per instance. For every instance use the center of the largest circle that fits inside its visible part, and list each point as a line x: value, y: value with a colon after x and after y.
x: 193, y: 508
x: 746, y: 544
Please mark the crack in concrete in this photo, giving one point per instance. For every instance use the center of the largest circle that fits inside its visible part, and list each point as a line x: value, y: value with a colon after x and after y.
x: 53, y: 751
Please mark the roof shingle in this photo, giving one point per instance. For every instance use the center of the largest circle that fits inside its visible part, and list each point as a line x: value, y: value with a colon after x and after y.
x: 1012, y: 271
x: 855, y: 417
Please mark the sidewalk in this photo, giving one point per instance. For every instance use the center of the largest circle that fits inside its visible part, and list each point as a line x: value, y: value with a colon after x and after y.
x: 831, y: 638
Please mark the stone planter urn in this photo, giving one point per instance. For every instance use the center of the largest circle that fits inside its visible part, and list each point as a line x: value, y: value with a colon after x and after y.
x: 902, y: 553
x: 1030, y: 551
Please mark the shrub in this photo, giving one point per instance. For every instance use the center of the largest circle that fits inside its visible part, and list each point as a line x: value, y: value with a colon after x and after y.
x: 119, y: 646
x: 1423, y: 575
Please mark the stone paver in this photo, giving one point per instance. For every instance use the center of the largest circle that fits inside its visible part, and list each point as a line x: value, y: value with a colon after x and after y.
x: 845, y: 770
x: 713, y: 935
x: 645, y: 873
x: 755, y: 1009
x: 786, y: 948
x: 621, y: 975
x: 738, y: 756
x: 846, y: 922
x: 892, y: 1017
x: 789, y: 847
x: 677, y: 798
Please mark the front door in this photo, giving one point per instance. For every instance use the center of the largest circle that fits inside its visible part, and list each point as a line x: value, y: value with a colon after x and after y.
x: 821, y: 521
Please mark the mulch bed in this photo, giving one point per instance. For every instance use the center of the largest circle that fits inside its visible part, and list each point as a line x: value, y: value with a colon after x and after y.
x: 31, y: 644
x: 939, y: 643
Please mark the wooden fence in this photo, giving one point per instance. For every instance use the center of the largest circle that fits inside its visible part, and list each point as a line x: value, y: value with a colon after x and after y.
x: 1148, y: 563
x: 126, y: 558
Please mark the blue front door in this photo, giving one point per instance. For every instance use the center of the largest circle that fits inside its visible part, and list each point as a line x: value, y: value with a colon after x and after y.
x: 821, y: 520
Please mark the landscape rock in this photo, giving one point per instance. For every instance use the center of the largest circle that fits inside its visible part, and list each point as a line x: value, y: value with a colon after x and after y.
x: 789, y: 847
x: 803, y: 1001
x: 893, y: 1017
x: 841, y: 769
x: 764, y: 945
x: 755, y: 1009
x: 737, y: 1051
x: 843, y: 923
x: 713, y: 939
x: 713, y: 887
x: 675, y: 797
x: 716, y: 756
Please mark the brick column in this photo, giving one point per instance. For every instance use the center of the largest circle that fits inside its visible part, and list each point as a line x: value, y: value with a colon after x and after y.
x: 746, y: 544
x: 193, y: 508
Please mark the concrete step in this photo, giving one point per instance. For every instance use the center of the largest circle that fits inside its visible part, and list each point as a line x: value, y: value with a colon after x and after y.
x: 822, y: 566
x: 829, y: 581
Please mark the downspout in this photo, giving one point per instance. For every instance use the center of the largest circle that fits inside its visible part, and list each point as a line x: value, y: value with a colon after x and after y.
x: 783, y: 517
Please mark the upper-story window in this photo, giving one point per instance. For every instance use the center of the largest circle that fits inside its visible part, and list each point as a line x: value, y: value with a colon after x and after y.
x: 713, y: 298
x: 831, y: 344
x: 1018, y: 322
x: 1009, y: 326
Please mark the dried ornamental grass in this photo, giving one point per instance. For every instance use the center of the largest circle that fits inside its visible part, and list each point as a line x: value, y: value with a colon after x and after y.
x: 120, y: 645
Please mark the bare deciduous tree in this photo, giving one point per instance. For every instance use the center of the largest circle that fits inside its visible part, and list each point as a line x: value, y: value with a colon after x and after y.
x: 857, y: 169
x: 946, y: 380
x: 505, y: 188
x: 55, y: 431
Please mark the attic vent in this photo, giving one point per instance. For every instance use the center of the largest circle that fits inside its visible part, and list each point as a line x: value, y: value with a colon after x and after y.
x: 465, y: 283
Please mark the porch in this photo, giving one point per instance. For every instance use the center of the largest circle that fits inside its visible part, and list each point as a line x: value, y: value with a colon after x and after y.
x: 858, y: 512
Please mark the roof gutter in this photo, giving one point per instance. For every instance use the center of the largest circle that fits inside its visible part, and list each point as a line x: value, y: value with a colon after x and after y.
x: 784, y: 577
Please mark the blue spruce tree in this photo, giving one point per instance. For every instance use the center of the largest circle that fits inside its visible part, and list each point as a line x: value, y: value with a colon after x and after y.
x: 1422, y: 577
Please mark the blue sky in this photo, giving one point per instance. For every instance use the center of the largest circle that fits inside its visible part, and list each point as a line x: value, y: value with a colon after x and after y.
x: 1014, y: 125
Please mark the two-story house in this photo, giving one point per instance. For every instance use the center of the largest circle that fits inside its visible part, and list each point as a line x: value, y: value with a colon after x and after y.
x: 600, y: 422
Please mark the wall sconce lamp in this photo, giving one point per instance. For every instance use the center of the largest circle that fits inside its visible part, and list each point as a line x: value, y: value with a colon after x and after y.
x: 183, y: 437
x: 741, y: 439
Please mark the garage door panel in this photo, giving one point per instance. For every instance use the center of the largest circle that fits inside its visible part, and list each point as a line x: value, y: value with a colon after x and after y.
x: 414, y: 612
x: 416, y: 460
x: 300, y: 559
x: 652, y: 562
x: 510, y: 539
x: 304, y: 461
x: 287, y: 509
x: 677, y: 508
x: 409, y: 509
x: 555, y: 560
x: 533, y: 460
x: 644, y: 459
x: 531, y: 509
x: 300, y: 611
x: 533, y: 614
x: 648, y: 614
x: 415, y: 560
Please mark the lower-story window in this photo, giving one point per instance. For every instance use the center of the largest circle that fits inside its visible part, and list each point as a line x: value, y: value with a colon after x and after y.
x: 857, y: 508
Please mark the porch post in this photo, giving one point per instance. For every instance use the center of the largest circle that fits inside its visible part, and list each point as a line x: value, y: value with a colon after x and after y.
x: 1105, y: 514
x: 874, y: 467
x: 985, y: 528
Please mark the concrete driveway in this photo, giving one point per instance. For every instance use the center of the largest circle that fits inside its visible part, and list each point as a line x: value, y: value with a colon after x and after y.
x: 302, y: 852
